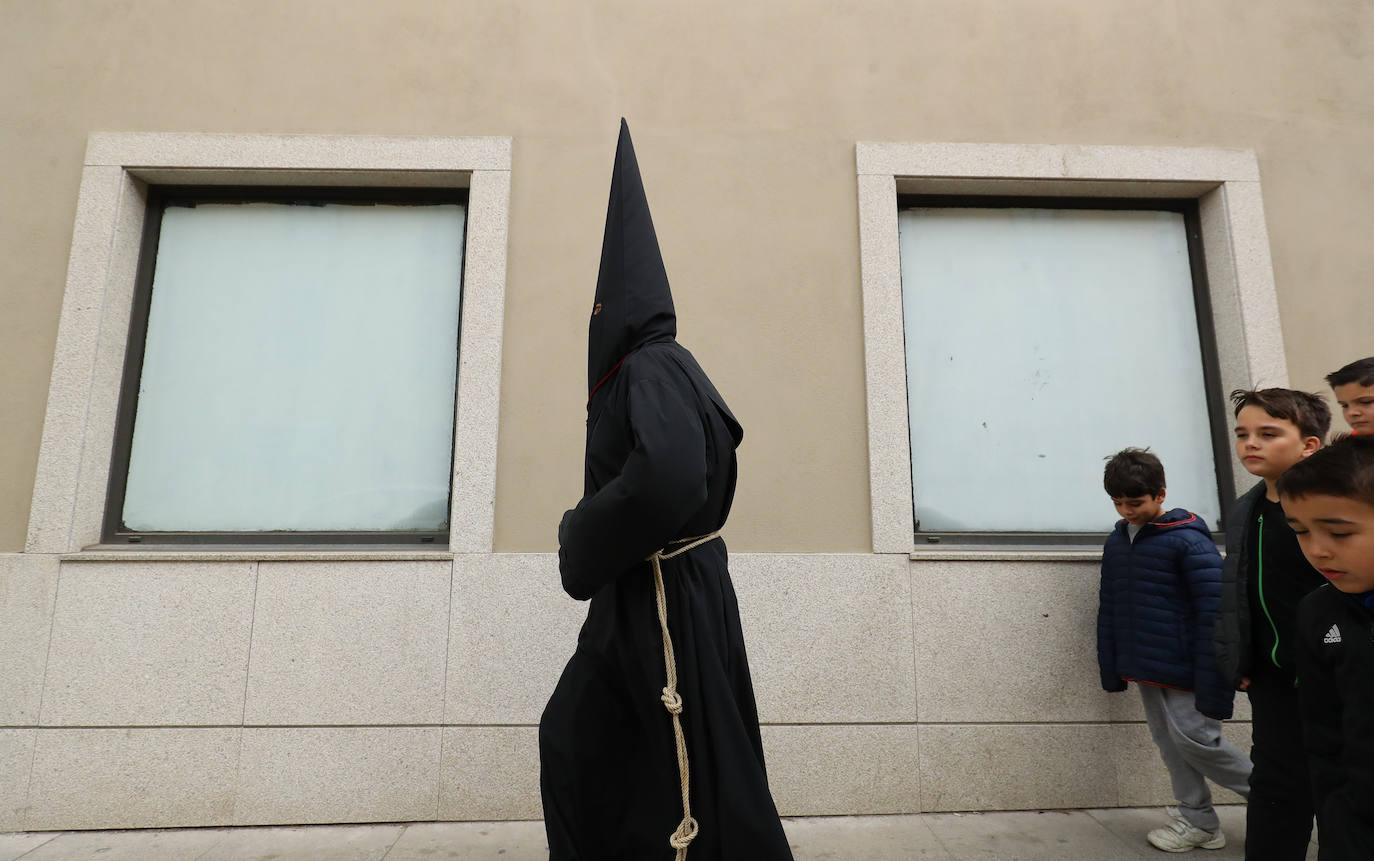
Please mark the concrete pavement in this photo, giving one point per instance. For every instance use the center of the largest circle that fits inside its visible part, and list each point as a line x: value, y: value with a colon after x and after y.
x: 1078, y: 835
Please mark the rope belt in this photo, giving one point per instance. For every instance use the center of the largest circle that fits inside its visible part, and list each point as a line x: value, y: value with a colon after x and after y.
x: 671, y: 699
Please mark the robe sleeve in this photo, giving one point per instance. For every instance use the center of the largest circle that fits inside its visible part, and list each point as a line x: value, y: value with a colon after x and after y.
x: 662, y: 484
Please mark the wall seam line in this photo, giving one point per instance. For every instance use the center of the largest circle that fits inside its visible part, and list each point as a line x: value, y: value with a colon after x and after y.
x: 443, y: 704
x: 915, y: 685
x: 243, y: 714
x: 42, y: 694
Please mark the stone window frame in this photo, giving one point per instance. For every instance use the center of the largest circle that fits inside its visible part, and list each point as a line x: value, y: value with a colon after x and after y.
x: 1226, y: 185
x: 70, y: 487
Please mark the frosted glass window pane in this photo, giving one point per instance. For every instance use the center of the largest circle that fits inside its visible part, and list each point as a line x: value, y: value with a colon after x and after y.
x: 299, y: 370
x: 1038, y: 342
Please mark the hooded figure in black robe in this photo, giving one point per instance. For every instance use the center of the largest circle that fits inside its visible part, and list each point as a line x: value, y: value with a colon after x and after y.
x: 660, y: 467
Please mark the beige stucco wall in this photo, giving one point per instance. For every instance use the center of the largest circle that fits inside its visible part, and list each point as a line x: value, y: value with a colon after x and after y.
x: 878, y: 689
x: 745, y: 117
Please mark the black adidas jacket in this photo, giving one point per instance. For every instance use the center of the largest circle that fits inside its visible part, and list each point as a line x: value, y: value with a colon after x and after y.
x: 1335, y: 650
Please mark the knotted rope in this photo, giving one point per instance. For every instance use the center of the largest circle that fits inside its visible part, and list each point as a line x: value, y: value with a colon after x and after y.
x: 671, y: 699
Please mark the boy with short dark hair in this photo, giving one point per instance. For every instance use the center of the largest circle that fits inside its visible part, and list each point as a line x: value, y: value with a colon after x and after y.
x: 1329, y: 499
x: 1161, y: 585
x: 1353, y: 386
x: 1264, y: 578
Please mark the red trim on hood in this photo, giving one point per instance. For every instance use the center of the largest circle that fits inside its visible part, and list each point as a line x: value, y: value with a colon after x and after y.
x: 607, y: 377
x: 1192, y: 518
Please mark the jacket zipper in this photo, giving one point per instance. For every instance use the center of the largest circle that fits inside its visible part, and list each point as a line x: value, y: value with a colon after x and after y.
x: 1259, y: 551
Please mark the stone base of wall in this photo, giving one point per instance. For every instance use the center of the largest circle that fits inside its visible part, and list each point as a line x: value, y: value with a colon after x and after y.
x: 197, y: 690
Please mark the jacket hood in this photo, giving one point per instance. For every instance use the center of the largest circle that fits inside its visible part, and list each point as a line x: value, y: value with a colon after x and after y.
x: 633, y: 304
x: 1176, y: 518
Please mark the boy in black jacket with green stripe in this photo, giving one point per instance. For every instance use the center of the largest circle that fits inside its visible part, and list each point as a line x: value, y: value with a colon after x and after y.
x: 1264, y: 577
x: 1330, y: 503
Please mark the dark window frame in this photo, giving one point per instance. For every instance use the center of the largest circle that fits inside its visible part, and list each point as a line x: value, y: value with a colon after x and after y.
x: 1218, y: 416
x: 159, y: 198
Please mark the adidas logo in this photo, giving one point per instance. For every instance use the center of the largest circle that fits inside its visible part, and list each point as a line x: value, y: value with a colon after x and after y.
x: 1332, y: 636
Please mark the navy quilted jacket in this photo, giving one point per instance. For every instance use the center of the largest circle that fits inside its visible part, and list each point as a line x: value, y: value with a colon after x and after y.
x: 1158, y: 602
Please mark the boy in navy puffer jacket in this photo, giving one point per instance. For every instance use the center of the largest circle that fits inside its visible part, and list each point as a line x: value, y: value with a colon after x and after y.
x: 1161, y: 586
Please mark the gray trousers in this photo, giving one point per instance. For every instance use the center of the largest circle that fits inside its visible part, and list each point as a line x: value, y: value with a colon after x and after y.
x: 1193, y: 750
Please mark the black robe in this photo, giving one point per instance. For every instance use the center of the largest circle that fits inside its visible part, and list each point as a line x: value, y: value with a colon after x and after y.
x: 660, y: 465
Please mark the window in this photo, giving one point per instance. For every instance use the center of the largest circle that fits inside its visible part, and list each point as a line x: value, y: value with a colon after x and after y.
x: 440, y: 204
x: 1234, y: 319
x: 1041, y: 336
x: 292, y: 368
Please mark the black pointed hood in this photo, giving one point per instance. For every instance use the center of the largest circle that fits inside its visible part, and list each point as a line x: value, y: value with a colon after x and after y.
x: 633, y: 305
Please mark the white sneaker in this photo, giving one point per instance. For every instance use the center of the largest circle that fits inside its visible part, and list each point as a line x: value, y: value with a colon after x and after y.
x: 1182, y: 836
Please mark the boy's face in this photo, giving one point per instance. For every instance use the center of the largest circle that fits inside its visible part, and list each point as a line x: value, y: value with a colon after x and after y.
x: 1357, y: 405
x: 1139, y: 510
x: 1336, y: 534
x: 1268, y: 445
